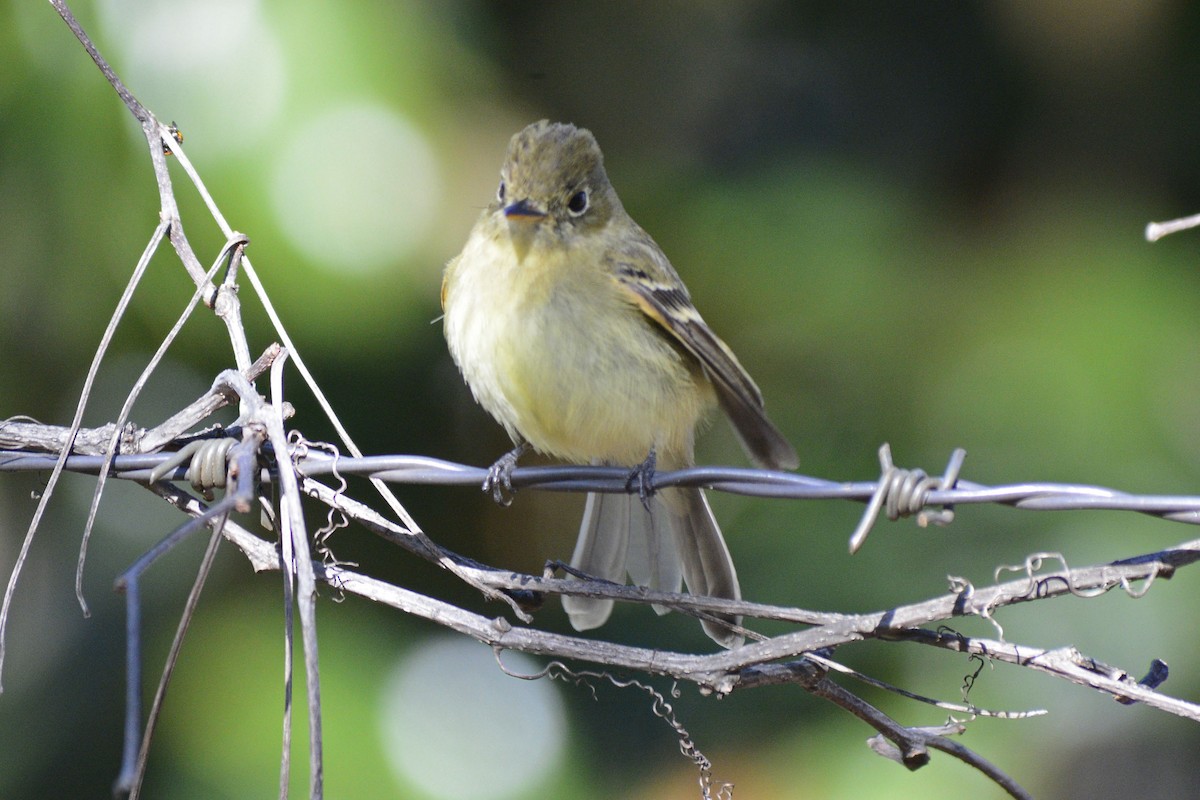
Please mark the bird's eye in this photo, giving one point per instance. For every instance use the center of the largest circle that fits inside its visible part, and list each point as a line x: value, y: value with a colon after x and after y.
x: 578, y: 203
x: 500, y: 192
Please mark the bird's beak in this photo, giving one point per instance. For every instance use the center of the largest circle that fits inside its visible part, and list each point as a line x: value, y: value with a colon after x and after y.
x: 523, y: 209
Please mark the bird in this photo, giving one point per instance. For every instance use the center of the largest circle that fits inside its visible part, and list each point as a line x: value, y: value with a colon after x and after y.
x: 573, y: 330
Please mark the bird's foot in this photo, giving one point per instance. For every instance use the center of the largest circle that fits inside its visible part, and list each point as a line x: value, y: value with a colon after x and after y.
x: 642, y: 477
x: 499, y: 476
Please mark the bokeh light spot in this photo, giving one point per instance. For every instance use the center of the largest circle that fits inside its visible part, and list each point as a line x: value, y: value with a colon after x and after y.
x: 457, y: 727
x: 214, y: 66
x: 356, y: 188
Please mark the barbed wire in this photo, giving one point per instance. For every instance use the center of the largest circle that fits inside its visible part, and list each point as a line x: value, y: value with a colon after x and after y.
x: 430, y: 471
x: 898, y: 492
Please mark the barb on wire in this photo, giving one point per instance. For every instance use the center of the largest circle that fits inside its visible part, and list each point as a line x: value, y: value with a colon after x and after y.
x: 205, y: 459
x: 904, y: 492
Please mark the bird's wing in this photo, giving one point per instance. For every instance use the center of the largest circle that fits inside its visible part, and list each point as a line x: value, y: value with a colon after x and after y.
x: 650, y: 283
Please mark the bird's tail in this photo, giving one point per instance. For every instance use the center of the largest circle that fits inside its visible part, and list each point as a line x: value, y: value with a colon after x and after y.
x: 676, y: 539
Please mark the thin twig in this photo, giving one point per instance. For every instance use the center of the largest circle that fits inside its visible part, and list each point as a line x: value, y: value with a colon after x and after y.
x: 139, y: 111
x: 1157, y: 230
x: 1063, y: 662
x: 293, y: 532
x: 129, y: 584
x: 84, y: 395
x: 241, y: 494
x: 28, y: 435
x: 131, y: 785
x: 205, y: 406
x: 122, y: 418
x: 226, y: 305
x: 269, y: 307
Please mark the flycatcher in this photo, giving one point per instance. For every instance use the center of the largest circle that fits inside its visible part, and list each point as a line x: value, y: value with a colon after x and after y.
x: 574, y: 331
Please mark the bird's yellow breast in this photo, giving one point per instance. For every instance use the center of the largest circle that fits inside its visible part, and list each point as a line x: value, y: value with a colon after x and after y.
x: 555, y: 351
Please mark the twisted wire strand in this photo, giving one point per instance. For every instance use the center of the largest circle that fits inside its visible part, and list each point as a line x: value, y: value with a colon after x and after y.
x: 660, y: 707
x: 207, y: 464
x: 901, y: 492
x: 335, y: 519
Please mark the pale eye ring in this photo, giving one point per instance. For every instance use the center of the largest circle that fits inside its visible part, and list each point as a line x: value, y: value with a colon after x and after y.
x: 500, y: 192
x: 578, y: 203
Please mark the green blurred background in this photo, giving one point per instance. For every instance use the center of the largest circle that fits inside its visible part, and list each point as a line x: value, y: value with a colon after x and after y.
x: 915, y: 223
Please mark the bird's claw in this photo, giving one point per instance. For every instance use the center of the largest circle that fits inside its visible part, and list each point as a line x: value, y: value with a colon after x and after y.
x: 499, y: 477
x: 642, y: 477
